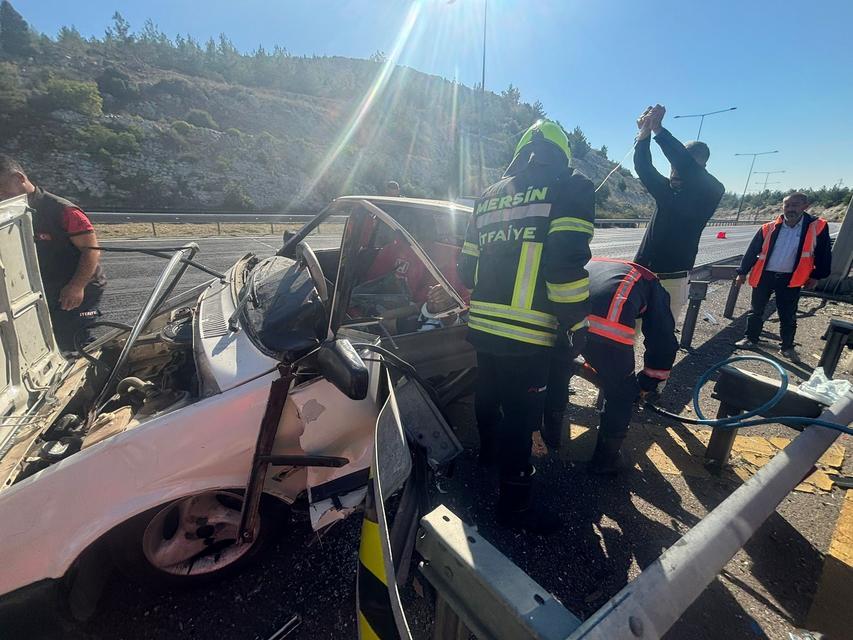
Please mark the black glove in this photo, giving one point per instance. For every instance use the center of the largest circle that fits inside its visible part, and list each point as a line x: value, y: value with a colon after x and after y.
x: 648, y: 384
x: 577, y: 341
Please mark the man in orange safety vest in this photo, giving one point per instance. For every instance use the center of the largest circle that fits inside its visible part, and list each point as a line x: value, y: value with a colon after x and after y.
x: 789, y: 253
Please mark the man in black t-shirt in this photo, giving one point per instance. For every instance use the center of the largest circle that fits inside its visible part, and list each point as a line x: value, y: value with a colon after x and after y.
x: 70, y: 270
x: 684, y: 203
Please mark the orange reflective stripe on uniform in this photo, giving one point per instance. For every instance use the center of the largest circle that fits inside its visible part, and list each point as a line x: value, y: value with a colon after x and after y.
x: 622, y: 293
x: 611, y: 330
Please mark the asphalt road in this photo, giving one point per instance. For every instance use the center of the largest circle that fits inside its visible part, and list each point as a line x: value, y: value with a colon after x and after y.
x: 131, y: 276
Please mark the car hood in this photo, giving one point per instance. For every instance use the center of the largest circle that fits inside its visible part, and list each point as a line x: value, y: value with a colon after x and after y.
x: 31, y: 360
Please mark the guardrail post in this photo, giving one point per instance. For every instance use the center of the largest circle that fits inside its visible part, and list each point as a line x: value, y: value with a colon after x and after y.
x: 838, y: 335
x: 720, y: 443
x: 218, y: 228
x: 447, y: 625
x: 153, y: 229
x: 698, y: 291
x: 731, y: 300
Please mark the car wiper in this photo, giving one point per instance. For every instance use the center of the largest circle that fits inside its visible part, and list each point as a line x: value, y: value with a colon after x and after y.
x: 246, y: 293
x: 165, y: 253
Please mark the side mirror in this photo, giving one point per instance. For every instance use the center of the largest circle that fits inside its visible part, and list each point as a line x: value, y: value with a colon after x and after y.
x: 341, y: 365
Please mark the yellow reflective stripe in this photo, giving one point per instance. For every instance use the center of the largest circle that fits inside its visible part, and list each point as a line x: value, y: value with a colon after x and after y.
x: 365, y: 631
x: 511, y: 313
x: 526, y: 275
x: 522, y: 334
x: 370, y: 550
x: 571, y: 224
x: 471, y: 249
x: 576, y: 291
x: 580, y: 325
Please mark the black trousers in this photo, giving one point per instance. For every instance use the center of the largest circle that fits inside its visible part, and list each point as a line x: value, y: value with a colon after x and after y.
x: 67, y: 324
x: 509, y: 400
x: 614, y: 364
x: 787, y: 299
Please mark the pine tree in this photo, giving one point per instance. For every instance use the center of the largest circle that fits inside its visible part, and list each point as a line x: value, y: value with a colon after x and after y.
x: 15, y: 36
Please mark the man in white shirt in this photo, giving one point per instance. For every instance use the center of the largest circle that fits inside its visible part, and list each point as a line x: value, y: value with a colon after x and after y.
x: 787, y: 254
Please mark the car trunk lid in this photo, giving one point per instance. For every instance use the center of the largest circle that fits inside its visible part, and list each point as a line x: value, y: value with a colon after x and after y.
x: 29, y: 358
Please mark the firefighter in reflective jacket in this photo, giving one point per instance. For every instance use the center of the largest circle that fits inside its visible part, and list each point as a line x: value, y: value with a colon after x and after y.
x: 620, y: 293
x: 524, y: 256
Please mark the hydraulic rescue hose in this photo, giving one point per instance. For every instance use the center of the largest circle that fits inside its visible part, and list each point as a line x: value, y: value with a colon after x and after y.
x: 747, y: 419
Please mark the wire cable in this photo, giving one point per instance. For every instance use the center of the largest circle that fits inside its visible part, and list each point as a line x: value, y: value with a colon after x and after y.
x: 746, y: 419
x: 618, y: 164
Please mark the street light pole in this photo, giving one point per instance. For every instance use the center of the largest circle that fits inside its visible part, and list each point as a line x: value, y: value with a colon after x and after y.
x: 749, y: 177
x: 767, y: 175
x: 481, y: 181
x: 701, y: 117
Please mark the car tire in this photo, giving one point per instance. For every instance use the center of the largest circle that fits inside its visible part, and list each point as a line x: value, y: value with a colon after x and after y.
x: 185, y: 543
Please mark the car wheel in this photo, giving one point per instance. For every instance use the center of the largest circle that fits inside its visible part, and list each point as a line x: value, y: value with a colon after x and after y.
x: 193, y: 540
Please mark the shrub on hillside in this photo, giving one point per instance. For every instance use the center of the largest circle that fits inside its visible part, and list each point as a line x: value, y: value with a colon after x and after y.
x: 118, y: 84
x: 99, y: 140
x: 62, y: 93
x: 236, y: 199
x: 181, y: 127
x: 12, y: 95
x: 201, y: 118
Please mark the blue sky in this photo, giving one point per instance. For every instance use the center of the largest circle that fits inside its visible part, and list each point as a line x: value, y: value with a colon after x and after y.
x: 786, y: 65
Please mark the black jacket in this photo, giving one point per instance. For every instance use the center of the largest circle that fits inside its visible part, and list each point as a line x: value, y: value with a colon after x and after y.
x: 524, y: 256
x: 57, y: 255
x: 641, y: 296
x: 822, y: 250
x: 672, y: 237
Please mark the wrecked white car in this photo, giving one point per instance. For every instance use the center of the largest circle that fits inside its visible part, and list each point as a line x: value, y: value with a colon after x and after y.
x: 176, y: 447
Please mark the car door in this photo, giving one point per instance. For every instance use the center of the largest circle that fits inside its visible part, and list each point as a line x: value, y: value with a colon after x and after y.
x: 440, y: 353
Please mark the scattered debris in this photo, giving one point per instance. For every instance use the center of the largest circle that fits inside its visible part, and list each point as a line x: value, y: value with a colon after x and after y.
x: 287, y: 629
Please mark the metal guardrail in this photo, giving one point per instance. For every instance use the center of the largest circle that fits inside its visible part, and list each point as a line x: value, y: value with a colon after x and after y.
x: 105, y: 217
x: 224, y: 217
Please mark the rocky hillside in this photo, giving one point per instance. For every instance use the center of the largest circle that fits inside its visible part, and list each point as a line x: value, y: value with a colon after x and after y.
x: 139, y: 120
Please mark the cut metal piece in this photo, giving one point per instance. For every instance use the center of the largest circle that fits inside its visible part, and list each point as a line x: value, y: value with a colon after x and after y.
x: 491, y: 596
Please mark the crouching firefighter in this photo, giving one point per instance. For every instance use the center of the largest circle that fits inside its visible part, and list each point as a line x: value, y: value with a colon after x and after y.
x: 524, y: 258
x: 620, y: 293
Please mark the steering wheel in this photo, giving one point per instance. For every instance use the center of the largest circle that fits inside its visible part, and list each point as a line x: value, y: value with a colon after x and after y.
x: 306, y: 254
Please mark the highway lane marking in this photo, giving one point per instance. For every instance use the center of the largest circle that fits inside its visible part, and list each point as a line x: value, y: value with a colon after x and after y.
x: 829, y: 613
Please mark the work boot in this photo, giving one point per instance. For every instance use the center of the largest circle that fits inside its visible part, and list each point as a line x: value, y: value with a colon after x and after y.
x: 790, y: 353
x: 552, y: 429
x: 607, y: 459
x: 515, y: 509
x: 746, y: 343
